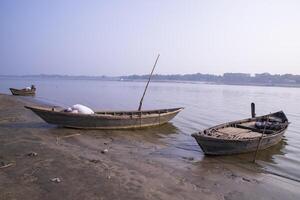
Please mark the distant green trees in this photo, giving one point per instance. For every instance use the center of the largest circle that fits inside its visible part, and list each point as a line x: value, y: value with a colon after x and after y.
x: 229, y: 78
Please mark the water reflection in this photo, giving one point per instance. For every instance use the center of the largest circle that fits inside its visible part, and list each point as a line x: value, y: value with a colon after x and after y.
x: 266, y: 155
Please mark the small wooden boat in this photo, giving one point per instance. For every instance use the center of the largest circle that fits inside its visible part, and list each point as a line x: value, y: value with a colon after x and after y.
x: 244, y: 135
x: 23, y: 92
x: 105, y: 120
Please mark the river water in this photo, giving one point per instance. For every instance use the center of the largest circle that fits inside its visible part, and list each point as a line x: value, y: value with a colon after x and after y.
x: 205, y: 105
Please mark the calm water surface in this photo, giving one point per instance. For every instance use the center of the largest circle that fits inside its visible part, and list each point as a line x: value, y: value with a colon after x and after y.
x: 205, y: 106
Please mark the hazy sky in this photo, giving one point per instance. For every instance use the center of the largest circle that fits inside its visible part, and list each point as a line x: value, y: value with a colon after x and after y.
x: 123, y: 37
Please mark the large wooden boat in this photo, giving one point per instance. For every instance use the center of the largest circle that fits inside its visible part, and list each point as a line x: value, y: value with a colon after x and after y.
x: 23, y: 92
x: 105, y: 120
x: 244, y: 135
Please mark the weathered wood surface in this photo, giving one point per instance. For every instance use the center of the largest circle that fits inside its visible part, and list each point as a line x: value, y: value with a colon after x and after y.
x: 106, y: 119
x: 240, y: 136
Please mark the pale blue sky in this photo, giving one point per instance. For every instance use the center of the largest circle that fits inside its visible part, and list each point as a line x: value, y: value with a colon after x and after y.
x: 94, y: 37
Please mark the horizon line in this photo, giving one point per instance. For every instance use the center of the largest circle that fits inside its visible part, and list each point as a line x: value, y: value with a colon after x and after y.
x: 252, y: 75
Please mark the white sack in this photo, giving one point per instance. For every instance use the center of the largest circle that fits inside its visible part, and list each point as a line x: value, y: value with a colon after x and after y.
x: 82, y: 109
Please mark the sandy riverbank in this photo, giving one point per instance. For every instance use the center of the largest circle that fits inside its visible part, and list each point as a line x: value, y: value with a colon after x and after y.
x: 131, y: 169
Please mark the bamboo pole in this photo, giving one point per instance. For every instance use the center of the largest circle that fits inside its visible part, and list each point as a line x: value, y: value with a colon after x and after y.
x: 260, y: 139
x: 141, y: 102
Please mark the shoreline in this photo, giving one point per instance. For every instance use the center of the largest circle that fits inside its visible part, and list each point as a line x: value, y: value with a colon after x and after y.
x: 139, y: 164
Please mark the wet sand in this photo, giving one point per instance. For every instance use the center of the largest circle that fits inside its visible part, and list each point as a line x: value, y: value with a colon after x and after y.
x: 135, y: 166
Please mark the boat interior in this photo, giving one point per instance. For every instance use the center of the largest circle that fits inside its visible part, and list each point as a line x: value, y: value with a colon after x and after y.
x: 143, y: 112
x: 247, y: 129
x: 120, y: 113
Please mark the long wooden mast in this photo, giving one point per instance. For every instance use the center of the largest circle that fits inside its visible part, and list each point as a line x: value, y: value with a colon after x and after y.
x: 141, y: 102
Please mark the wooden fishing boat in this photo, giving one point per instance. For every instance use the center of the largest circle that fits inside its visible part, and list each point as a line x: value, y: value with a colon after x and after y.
x: 244, y: 135
x: 105, y: 120
x: 108, y: 119
x: 23, y: 92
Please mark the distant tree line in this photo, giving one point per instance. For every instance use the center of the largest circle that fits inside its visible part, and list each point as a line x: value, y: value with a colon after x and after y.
x: 228, y: 78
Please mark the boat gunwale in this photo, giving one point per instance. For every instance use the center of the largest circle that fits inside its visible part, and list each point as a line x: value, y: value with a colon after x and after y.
x: 23, y: 90
x: 109, y: 114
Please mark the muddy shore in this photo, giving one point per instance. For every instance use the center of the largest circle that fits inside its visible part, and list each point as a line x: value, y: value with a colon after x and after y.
x: 134, y: 167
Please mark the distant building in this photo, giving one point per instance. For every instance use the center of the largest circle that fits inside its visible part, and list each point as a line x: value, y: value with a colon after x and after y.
x: 266, y: 78
x: 236, y: 78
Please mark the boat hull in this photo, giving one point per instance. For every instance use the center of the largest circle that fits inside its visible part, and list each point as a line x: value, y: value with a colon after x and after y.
x: 212, y: 146
x: 112, y: 120
x: 22, y: 92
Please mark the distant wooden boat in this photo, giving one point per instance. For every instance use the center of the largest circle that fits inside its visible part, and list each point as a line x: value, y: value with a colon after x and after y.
x: 23, y: 92
x: 244, y: 135
x: 106, y: 120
